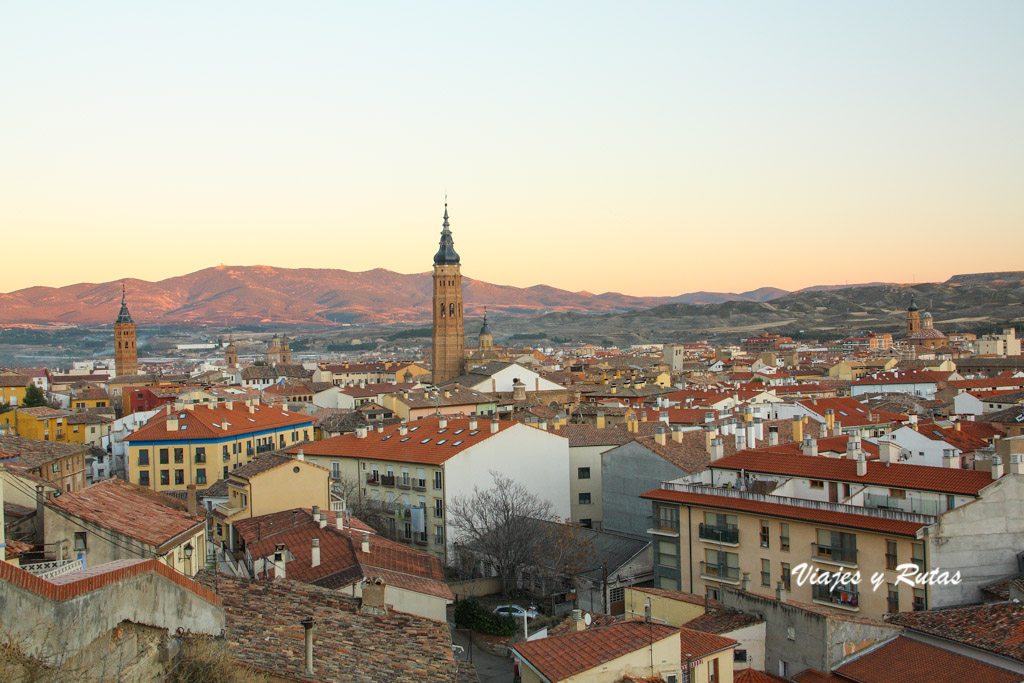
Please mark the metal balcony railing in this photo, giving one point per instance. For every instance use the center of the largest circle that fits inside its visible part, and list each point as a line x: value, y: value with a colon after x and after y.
x: 419, y: 484
x: 403, y: 482
x: 720, y: 571
x: 827, y: 552
x: 372, y: 478
x: 719, y: 534
x: 387, y: 480
x: 843, y: 598
x: 663, y: 524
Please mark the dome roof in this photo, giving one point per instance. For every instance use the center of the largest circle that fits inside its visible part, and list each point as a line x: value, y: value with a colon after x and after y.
x: 926, y: 314
x: 446, y: 254
x: 927, y: 333
x: 485, y: 328
x: 913, y: 304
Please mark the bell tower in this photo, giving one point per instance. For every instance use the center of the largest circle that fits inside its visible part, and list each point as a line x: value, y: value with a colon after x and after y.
x: 913, y: 317
x: 449, y: 338
x: 126, y: 359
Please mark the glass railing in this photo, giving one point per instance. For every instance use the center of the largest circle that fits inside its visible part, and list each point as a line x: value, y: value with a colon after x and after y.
x: 719, y: 534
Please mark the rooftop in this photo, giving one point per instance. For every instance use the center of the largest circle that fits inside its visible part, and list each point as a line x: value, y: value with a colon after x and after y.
x: 994, y: 627
x: 208, y: 421
x: 908, y: 661
x: 32, y: 453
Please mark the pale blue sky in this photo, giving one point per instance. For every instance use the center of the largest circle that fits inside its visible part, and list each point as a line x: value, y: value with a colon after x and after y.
x: 585, y: 145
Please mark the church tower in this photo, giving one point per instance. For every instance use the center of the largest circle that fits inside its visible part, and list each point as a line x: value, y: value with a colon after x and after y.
x: 126, y: 359
x: 486, y: 338
x: 913, y: 317
x: 449, y: 339
x: 231, y: 355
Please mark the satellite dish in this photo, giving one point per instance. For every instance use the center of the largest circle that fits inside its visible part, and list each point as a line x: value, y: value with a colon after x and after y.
x: 587, y: 619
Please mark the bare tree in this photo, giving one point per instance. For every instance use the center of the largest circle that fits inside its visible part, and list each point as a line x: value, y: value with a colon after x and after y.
x: 378, y: 515
x: 497, y: 524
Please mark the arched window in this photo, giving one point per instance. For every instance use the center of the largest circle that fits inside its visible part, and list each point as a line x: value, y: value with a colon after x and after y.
x: 442, y: 310
x: 451, y: 310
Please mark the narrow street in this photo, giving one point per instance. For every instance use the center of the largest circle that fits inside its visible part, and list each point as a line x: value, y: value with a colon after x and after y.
x: 489, y: 669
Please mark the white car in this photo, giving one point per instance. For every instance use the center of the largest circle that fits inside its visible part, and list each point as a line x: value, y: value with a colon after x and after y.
x: 516, y: 612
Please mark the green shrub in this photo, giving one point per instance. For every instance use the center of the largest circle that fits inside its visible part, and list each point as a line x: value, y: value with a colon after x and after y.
x: 472, y: 615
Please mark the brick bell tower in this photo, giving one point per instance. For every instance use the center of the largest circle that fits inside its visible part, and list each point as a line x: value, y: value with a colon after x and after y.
x: 126, y: 358
x: 449, y: 339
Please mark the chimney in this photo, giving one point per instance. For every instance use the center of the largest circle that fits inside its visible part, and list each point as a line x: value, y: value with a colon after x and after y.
x: 190, y: 500
x: 837, y: 428
x: 339, y: 520
x: 717, y: 448
x: 494, y: 426
x: 472, y: 424
x: 230, y: 405
x: 307, y: 627
x: 862, y: 465
x: 759, y: 429
x: 741, y: 439
x: 957, y: 426
x: 403, y: 429
x: 809, y: 446
x: 543, y: 424
x: 751, y: 434
x: 888, y: 452
x: 380, y: 428
x: 823, y: 431
x: 677, y: 433
x: 577, y: 621
x: 950, y: 459
x: 780, y: 592
x: 745, y: 583
x: 252, y: 408
x: 997, y: 467
x: 442, y: 423
x: 709, y: 416
x: 773, y: 435
x: 365, y: 545
x: 373, y: 597
x: 300, y: 455
x: 360, y: 432
x: 830, y: 418
x: 600, y: 419
x: 315, y: 552
x: 659, y: 435
x: 280, y: 561
x: 1016, y: 464
x: 172, y: 424
x: 316, y: 514
x: 798, y: 429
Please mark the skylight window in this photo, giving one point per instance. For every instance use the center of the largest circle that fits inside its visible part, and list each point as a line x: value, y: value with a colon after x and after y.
x: 457, y: 443
x: 426, y: 440
x: 442, y: 441
x: 184, y: 427
x: 459, y: 431
x: 387, y: 437
x: 474, y: 432
x: 250, y: 419
x: 404, y: 439
x: 442, y: 431
x: 413, y: 429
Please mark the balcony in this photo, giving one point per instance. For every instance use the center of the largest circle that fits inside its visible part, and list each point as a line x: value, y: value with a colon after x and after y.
x: 372, y: 478
x: 913, y: 504
x: 663, y: 527
x: 51, y: 569
x: 265, y: 448
x: 720, y: 572
x: 724, y: 535
x: 419, y: 484
x: 419, y: 539
x: 844, y: 599
x: 404, y: 483
x: 846, y: 557
x: 387, y: 480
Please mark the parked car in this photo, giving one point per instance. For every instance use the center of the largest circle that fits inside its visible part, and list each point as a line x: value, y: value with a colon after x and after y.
x: 516, y: 612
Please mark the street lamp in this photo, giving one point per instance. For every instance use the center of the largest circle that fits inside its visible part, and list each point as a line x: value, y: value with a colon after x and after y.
x: 688, y: 656
x: 188, y: 551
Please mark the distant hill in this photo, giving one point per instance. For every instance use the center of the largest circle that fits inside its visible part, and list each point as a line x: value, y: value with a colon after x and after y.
x: 263, y: 294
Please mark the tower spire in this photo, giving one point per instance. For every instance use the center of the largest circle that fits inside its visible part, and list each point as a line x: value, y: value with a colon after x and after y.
x: 124, y: 316
x: 446, y: 254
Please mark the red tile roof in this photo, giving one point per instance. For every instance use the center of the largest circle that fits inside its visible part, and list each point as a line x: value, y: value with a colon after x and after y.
x: 908, y: 661
x: 913, y: 376
x: 559, y: 657
x: 755, y: 676
x: 828, y: 517
x: 851, y: 412
x: 440, y: 444
x: 130, y: 510
x: 205, y: 422
x: 996, y: 627
x: 699, y: 644
x: 895, y: 475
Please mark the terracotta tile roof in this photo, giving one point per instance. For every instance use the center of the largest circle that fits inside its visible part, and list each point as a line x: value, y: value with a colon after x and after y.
x: 15, y: 380
x: 33, y: 453
x: 851, y: 412
x: 700, y: 644
x: 130, y: 510
x: 458, y: 395
x: 342, y: 560
x: 995, y: 627
x: 597, y: 620
x: 581, y: 435
x: 815, y: 676
x: 260, y: 464
x: 89, y: 419
x: 205, y: 422
x: 912, y: 376
x: 907, y: 661
x: 755, y: 676
x: 43, y: 412
x: 264, y: 631
x: 570, y: 654
x: 391, y: 445
x: 895, y: 475
x: 722, y: 621
x: 678, y: 595
x: 966, y: 439
x: 829, y: 517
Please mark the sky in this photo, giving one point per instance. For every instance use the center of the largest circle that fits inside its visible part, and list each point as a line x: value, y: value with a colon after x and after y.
x: 650, y: 148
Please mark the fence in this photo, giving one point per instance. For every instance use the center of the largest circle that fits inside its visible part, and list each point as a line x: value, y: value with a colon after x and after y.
x: 475, y: 588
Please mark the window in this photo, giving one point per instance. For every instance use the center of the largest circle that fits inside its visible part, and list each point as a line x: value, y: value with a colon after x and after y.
x: 667, y: 517
x: 837, y: 546
x: 163, y: 456
x: 917, y: 555
x: 225, y: 472
x: 721, y: 565
x: 438, y: 534
x: 201, y: 475
x: 668, y: 554
x: 765, y: 532
x: 584, y: 499
x: 617, y: 595
x: 200, y: 455
x: 587, y: 523
x: 893, y: 599
x: 766, y: 572
x: 920, y: 601
x: 224, y: 452
x: 143, y: 478
x: 179, y: 455
x: 739, y: 655
x: 143, y: 456
x: 336, y: 469
x: 438, y: 507
x: 55, y: 468
x: 784, y: 537
x: 890, y: 554
x: 817, y: 484
x: 897, y: 493
x: 179, y: 477
x: 81, y: 545
x: 785, y: 575
x: 165, y: 477
x: 437, y: 479
x: 583, y: 473
x: 713, y: 593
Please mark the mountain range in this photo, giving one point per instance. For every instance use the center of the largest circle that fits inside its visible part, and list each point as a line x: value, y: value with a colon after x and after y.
x: 240, y: 295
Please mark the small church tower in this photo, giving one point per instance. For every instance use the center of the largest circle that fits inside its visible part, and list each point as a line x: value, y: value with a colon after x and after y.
x: 126, y: 359
x: 913, y: 317
x: 231, y: 355
x: 449, y: 338
x: 286, y: 351
x: 486, y: 338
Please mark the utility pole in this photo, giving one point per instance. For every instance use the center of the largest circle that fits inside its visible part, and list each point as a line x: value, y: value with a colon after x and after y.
x: 604, y: 588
